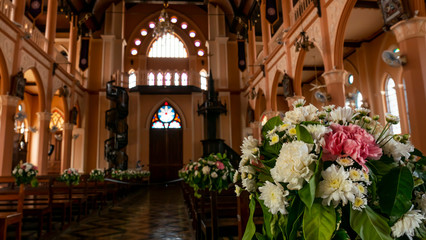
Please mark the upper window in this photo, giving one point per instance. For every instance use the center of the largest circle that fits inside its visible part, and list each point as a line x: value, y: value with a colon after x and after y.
x: 392, y: 103
x: 166, y: 117
x: 168, y: 46
x: 132, y: 78
x: 358, y: 99
x: 203, y: 79
x: 57, y: 120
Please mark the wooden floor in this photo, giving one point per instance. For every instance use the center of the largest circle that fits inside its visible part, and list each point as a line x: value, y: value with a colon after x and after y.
x: 155, y: 212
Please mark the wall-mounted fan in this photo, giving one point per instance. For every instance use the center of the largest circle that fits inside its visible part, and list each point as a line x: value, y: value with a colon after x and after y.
x: 321, y: 96
x: 393, y: 59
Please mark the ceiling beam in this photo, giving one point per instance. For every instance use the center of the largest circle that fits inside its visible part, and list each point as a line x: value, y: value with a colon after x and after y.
x: 313, y: 68
x: 366, y: 4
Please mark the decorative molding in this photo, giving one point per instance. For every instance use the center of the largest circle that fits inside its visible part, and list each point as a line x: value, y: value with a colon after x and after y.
x: 410, y: 28
x: 7, y: 46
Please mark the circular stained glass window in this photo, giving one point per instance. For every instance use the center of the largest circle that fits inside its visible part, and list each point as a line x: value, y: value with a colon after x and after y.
x: 166, y: 117
x: 166, y: 114
x: 351, y: 79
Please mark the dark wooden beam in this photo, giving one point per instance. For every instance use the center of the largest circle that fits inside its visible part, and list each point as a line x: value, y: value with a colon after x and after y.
x: 313, y: 68
x: 366, y: 4
x: 352, y: 44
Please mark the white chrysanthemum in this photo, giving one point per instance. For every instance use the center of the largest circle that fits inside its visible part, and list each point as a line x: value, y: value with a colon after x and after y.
x: 392, y: 118
x: 14, y: 171
x: 299, y: 103
x: 213, y: 175
x: 362, y: 111
x: 236, y: 175
x: 283, y: 127
x: 271, y: 132
x: 397, y: 149
x: 423, y: 204
x: 238, y: 190
x: 294, y: 165
x: 274, y: 139
x: 355, y: 174
x: 244, y: 161
x: 336, y: 186
x: 20, y: 171
x: 345, y: 162
x: 249, y: 148
x: 206, y: 170
x: 361, y: 189
x: 407, y: 224
x: 274, y: 197
x: 341, y: 115
x: 247, y: 169
x: 328, y: 108
x: 317, y: 131
x: 249, y: 184
x: 300, y: 114
x: 359, y: 203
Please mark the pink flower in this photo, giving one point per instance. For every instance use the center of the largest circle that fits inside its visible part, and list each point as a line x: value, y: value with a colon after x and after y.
x: 350, y: 141
x: 69, y: 171
x: 220, y: 165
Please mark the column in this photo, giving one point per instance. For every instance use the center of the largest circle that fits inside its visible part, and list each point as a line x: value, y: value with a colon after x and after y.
x: 7, y: 113
x: 19, y: 11
x: 411, y: 36
x: 335, y: 81
x: 286, y: 9
x: 66, y: 146
x: 251, y: 48
x: 291, y: 100
x: 50, y: 33
x: 266, y: 29
x: 72, y: 48
x: 43, y: 141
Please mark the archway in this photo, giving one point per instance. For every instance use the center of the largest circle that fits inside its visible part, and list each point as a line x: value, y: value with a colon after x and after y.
x: 4, y: 76
x: 165, y: 144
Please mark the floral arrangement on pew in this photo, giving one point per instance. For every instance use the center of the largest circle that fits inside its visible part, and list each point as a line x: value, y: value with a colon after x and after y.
x: 214, y: 172
x: 70, y: 176
x: 333, y: 174
x: 97, y: 175
x: 129, y: 174
x: 25, y: 173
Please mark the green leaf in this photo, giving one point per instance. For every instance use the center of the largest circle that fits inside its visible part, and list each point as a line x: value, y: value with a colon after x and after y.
x: 369, y: 225
x: 307, y: 193
x: 294, y: 218
x: 319, y: 222
x: 271, y: 124
x: 395, y: 192
x: 341, y: 234
x: 260, y: 236
x: 34, y: 182
x: 274, y: 150
x: 267, y: 218
x: 380, y: 168
x: 282, y: 223
x: 251, y: 227
x: 303, y: 134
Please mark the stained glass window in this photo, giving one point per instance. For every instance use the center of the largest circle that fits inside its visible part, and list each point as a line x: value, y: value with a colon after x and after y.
x: 151, y: 79
x: 184, y: 79
x: 57, y: 120
x: 392, y: 103
x: 166, y: 117
x: 168, y: 78
x: 358, y: 99
x: 168, y: 46
x: 159, y: 79
x: 132, y: 78
x: 176, y: 79
x: 203, y: 79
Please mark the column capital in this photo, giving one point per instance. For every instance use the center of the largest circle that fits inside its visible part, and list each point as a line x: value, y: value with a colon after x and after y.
x: 43, y: 116
x: 7, y: 100
x: 335, y: 76
x: 410, y: 28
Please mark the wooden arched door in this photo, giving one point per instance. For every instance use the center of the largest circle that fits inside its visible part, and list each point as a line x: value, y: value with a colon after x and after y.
x: 165, y: 144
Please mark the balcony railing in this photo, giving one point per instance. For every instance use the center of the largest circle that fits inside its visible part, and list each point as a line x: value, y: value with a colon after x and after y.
x: 36, y: 36
x: 300, y: 8
x: 7, y: 8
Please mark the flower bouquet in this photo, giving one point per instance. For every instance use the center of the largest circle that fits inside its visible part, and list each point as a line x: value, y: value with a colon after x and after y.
x: 25, y: 173
x: 117, y: 174
x: 70, y: 176
x: 214, y: 173
x: 333, y: 174
x: 97, y: 175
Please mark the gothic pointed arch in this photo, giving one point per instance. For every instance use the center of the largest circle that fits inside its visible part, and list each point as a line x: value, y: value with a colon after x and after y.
x: 4, y: 76
x: 158, y: 106
x: 32, y: 75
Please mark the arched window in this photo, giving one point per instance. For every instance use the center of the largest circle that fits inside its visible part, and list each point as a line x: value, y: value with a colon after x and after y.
x: 159, y: 79
x: 132, y: 78
x: 392, y: 103
x: 57, y: 120
x: 151, y: 79
x: 358, y: 99
x: 168, y: 46
x: 168, y: 78
x: 184, y: 79
x: 203, y: 79
x: 166, y: 117
x: 176, y: 79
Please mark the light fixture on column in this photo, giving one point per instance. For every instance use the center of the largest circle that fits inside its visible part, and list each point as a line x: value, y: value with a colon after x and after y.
x: 303, y: 42
x: 163, y: 25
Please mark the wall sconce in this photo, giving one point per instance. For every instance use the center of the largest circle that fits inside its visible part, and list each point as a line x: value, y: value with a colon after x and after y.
x: 303, y: 42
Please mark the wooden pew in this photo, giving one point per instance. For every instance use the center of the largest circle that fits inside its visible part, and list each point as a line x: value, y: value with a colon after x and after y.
x: 11, y: 200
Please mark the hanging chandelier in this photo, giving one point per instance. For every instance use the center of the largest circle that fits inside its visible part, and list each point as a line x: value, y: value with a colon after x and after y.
x: 303, y: 42
x: 163, y: 25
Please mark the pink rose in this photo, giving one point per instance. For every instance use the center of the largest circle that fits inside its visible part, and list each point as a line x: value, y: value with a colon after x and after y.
x: 350, y: 141
x: 220, y: 165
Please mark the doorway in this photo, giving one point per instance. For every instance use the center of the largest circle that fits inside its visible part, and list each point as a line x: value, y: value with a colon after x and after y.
x: 165, y: 145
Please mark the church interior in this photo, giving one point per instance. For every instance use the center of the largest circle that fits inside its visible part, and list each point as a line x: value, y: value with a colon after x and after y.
x: 154, y: 85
